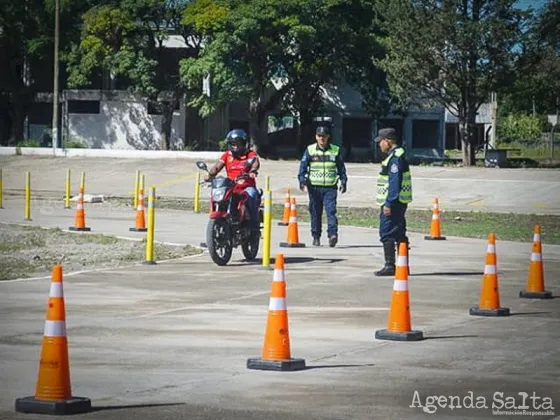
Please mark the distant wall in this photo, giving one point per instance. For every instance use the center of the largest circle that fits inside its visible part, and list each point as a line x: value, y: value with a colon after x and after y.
x: 118, y: 121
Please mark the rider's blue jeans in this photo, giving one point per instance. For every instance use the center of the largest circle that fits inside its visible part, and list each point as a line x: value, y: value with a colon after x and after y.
x: 253, y: 205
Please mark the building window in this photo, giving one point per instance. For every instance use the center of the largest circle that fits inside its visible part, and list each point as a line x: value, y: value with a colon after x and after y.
x: 84, y: 107
x: 425, y: 134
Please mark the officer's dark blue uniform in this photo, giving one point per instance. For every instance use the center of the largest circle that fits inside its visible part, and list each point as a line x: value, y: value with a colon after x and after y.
x: 394, y: 193
x: 320, y: 170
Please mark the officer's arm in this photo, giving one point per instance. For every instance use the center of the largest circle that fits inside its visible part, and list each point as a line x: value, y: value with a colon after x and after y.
x: 341, y: 167
x: 303, y: 167
x: 395, y: 172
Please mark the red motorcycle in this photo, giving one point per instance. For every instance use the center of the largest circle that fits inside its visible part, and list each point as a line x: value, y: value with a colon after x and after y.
x: 230, y: 219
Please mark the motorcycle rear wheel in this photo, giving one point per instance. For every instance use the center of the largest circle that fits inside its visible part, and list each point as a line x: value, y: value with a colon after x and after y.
x: 218, y: 239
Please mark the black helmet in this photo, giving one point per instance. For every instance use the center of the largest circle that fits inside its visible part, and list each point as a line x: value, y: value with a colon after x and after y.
x: 237, y: 141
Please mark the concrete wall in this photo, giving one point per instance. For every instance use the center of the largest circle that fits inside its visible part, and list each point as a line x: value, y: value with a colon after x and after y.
x: 123, y: 122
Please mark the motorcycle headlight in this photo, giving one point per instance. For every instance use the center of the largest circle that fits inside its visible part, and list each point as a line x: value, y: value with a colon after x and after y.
x: 218, y: 194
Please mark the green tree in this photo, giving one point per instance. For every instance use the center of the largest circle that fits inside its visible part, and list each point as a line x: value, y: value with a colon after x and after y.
x: 240, y: 56
x: 537, y: 85
x: 453, y: 53
x: 126, y: 39
x: 301, y: 46
x: 330, y: 43
x: 26, y: 43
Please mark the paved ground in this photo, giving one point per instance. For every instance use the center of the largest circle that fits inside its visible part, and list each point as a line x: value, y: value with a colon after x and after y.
x: 497, y: 190
x: 171, y: 341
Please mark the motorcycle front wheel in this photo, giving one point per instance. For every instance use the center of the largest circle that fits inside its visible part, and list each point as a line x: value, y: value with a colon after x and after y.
x: 218, y: 239
x: 251, y: 246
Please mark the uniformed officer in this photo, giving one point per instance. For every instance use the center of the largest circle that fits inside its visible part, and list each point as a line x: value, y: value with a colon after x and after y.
x: 320, y: 170
x: 394, y: 193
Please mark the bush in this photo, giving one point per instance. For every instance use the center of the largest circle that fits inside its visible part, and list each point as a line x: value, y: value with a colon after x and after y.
x: 29, y: 143
x: 75, y: 144
x: 521, y: 127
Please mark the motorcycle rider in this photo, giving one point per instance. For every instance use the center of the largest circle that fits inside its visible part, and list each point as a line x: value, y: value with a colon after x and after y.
x: 234, y: 160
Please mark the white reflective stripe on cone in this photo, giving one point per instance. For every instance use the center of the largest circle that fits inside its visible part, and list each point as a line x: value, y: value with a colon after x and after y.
x: 402, y: 261
x: 56, y: 290
x: 278, y: 275
x: 537, y: 237
x: 536, y: 256
x: 491, y: 249
x: 55, y: 329
x: 292, y: 219
x: 277, y: 304
x: 435, y: 216
x: 489, y: 269
x: 400, y: 285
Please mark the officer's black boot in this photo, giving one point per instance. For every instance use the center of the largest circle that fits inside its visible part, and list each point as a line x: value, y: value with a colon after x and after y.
x: 389, y: 267
x: 316, y: 241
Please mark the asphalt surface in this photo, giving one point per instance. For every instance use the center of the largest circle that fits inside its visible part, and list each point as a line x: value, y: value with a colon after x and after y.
x: 478, y: 189
x: 171, y: 341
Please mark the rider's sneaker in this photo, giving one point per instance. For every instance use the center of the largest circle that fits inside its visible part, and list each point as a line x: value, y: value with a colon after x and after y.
x: 333, y: 240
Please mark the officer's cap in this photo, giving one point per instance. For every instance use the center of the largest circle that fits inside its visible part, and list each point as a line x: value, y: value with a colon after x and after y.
x: 323, y: 130
x: 386, y: 133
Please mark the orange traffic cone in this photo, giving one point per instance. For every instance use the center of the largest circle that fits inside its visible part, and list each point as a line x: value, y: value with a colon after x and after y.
x: 489, y: 302
x: 399, y: 325
x: 292, y: 240
x: 80, y: 220
x: 287, y: 208
x: 140, y: 219
x: 53, y: 393
x: 435, y: 226
x: 276, y: 354
x: 535, y: 280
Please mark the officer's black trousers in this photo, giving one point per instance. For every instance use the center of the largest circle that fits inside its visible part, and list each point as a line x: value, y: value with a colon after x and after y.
x: 319, y: 198
x: 393, y: 228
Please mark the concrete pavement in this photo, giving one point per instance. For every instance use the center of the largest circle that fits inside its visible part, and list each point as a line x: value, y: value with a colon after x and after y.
x: 479, y: 189
x: 171, y: 341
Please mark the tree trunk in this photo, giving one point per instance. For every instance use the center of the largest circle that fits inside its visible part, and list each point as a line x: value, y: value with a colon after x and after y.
x: 254, y: 128
x: 304, y: 132
x: 467, y: 141
x: 166, y: 120
x: 18, y: 117
x: 464, y: 136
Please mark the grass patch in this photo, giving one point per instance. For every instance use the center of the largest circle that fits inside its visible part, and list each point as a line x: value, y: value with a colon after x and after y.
x: 29, y: 251
x: 473, y: 224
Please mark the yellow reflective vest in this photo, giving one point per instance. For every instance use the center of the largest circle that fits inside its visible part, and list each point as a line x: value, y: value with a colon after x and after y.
x: 405, y: 193
x: 322, y: 165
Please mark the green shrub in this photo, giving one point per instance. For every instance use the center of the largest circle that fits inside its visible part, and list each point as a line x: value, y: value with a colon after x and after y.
x: 29, y: 143
x: 521, y: 127
x: 75, y: 144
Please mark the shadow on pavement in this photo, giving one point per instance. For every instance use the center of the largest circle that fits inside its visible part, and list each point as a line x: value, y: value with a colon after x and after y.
x: 437, y: 337
x: 529, y: 313
x: 450, y: 273
x: 358, y: 246
x: 123, y: 407
x: 337, y: 366
x: 287, y: 260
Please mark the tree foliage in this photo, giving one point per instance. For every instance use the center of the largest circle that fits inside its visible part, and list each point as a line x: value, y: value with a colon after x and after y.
x: 26, y: 43
x: 126, y: 39
x: 537, y: 85
x: 452, y: 53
